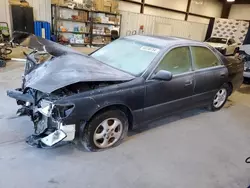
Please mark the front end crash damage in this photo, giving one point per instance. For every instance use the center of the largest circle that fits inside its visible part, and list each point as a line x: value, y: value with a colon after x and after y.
x: 54, y: 73
x: 49, y: 116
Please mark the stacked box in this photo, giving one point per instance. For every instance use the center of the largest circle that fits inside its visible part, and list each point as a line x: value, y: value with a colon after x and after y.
x: 106, y: 5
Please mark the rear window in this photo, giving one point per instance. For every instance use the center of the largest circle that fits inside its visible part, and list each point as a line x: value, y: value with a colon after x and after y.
x: 203, y: 58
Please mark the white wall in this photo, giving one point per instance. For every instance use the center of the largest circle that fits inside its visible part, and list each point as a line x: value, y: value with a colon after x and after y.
x: 240, y: 12
x: 211, y: 8
x: 131, y: 7
x: 4, y: 11
x: 166, y: 26
x: 41, y: 9
x: 173, y: 4
x: 163, y: 13
x: 198, y: 19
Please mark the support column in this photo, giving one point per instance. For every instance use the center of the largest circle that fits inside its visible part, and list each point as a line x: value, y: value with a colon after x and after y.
x: 142, y: 6
x: 226, y: 10
x: 187, y: 9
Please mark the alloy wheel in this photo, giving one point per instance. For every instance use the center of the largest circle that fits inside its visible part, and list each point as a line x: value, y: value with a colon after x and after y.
x: 108, y: 133
x: 220, y: 98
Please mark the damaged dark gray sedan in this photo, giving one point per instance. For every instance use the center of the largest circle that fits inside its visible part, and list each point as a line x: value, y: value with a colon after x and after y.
x: 98, y: 98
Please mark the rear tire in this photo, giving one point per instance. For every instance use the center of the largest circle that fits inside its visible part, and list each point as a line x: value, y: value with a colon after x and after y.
x: 105, y: 130
x: 220, y: 98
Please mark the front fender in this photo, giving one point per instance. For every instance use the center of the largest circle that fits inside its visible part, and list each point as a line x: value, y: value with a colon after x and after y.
x: 83, y: 108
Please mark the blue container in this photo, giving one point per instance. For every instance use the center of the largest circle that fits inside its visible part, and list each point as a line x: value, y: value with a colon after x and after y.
x: 38, y: 29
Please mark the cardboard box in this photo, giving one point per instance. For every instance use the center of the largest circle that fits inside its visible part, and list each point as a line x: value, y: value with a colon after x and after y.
x: 107, y: 9
x: 87, y: 40
x: 17, y: 2
x: 83, y: 16
x: 107, y: 3
x: 98, y: 5
x: 115, y: 6
x: 58, y: 2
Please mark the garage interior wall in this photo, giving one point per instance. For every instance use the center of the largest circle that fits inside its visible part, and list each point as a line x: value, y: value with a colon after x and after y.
x: 211, y: 8
x: 41, y: 9
x: 207, y: 8
x: 126, y: 6
x: 4, y: 11
x: 240, y: 12
x: 155, y: 25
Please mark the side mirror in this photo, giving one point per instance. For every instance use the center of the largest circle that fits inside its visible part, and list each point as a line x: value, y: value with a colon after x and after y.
x: 163, y: 75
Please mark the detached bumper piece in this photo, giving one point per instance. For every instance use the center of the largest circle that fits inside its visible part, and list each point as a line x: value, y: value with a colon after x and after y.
x: 18, y: 95
x: 59, y: 137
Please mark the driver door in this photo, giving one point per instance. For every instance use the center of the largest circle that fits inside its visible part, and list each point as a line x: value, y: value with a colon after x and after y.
x: 166, y: 97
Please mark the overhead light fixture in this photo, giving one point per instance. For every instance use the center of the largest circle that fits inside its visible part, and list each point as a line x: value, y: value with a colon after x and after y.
x: 230, y: 0
x: 198, y: 2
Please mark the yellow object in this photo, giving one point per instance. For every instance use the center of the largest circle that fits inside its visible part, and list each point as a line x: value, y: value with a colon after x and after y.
x: 106, y: 5
x: 17, y: 2
x: 58, y: 2
x: 98, y: 5
x: 115, y: 6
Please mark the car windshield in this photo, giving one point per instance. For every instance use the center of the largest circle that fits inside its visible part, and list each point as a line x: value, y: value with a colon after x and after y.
x: 127, y: 55
x: 217, y: 40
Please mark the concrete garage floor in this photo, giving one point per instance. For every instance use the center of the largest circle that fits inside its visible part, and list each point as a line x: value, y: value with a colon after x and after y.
x: 195, y: 149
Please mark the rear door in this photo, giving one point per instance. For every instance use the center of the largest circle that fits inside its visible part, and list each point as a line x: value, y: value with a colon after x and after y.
x: 209, y: 74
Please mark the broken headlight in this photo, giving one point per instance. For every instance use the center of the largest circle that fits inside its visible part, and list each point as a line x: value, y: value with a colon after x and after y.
x: 46, y: 108
x: 56, y: 111
x: 62, y: 110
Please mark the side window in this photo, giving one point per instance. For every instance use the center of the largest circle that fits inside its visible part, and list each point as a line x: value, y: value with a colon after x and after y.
x: 203, y: 58
x: 176, y: 61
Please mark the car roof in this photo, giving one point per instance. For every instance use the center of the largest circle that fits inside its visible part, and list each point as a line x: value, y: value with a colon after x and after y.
x: 162, y: 41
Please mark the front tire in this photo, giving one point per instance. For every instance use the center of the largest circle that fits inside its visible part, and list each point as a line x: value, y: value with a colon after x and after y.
x: 220, y: 98
x: 105, y: 130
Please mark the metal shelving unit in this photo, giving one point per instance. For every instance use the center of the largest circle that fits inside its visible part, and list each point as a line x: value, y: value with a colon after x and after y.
x: 106, y: 24
x: 71, y: 20
x: 75, y: 32
x: 103, y: 35
x: 55, y: 9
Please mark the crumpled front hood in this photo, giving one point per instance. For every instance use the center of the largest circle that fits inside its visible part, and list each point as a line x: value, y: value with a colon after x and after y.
x: 69, y: 69
x: 40, y: 44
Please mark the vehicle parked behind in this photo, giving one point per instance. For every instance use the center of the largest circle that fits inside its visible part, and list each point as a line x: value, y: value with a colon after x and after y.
x: 227, y: 46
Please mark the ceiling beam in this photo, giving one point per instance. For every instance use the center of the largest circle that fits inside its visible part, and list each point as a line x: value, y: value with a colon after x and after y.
x: 226, y: 10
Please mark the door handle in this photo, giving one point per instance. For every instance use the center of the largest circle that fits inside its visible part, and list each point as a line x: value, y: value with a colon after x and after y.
x: 188, y: 83
x: 222, y: 75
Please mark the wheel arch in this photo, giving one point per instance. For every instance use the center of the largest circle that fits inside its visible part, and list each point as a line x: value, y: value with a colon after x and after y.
x: 121, y: 107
